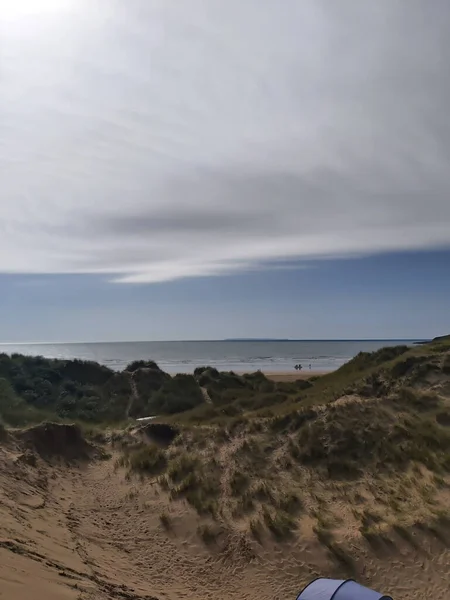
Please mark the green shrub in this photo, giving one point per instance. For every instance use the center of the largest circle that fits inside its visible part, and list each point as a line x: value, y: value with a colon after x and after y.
x: 142, y: 364
x: 14, y: 410
x: 176, y: 395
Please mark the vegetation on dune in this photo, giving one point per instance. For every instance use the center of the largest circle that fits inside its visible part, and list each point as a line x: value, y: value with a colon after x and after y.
x: 147, y: 459
x: 209, y: 533
x: 34, y: 388
x: 350, y: 438
x: 375, y: 374
x: 90, y: 392
x: 147, y: 382
x: 142, y: 364
x: 69, y: 389
x: 165, y: 520
x: 86, y: 391
x: 367, y: 445
x: 14, y: 410
x: 234, y: 396
x: 198, y: 481
x: 177, y: 394
x: 382, y: 422
x: 367, y: 375
x: 271, y: 481
x: 279, y: 523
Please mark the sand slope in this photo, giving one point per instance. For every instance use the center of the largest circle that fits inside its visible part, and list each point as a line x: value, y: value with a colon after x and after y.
x: 84, y: 530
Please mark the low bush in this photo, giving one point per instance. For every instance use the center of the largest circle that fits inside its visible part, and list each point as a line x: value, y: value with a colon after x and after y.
x: 142, y: 364
x: 177, y: 394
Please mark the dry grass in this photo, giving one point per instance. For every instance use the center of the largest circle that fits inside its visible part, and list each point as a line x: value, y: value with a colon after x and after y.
x: 196, y: 480
x: 166, y: 521
x: 208, y: 532
x: 255, y: 529
x: 338, y: 552
x: 279, y: 523
x: 239, y: 482
x: 380, y: 455
x: 147, y: 459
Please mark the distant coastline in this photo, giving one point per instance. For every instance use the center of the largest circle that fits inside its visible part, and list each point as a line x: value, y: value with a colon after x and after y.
x: 258, y: 340
x: 412, y: 340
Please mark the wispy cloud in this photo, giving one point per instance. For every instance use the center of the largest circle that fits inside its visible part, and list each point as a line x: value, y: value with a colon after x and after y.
x: 153, y: 140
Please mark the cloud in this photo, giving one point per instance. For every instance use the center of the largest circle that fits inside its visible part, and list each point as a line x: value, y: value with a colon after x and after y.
x: 151, y: 141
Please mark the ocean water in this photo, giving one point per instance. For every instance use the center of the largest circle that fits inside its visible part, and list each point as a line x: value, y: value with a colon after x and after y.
x: 184, y: 357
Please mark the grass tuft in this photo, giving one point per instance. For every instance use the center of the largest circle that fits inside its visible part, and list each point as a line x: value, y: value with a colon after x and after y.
x: 208, y: 533
x: 239, y: 482
x: 149, y: 460
x: 165, y: 520
x: 280, y: 524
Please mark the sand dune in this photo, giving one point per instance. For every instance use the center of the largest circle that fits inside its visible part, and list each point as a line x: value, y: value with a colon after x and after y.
x: 85, y: 530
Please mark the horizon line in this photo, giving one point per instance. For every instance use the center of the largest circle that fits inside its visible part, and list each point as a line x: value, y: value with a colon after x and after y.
x: 40, y: 343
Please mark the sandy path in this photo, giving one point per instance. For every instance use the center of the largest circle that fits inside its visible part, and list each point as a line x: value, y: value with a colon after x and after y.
x: 134, y: 395
x: 206, y: 396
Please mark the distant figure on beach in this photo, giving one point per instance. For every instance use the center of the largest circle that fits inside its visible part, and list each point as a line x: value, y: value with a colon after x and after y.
x: 310, y: 367
x: 298, y: 367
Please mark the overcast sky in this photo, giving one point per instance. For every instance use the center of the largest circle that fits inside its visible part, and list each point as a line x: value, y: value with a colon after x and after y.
x: 154, y: 140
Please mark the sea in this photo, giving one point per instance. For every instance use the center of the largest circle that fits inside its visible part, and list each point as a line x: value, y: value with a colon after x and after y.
x: 225, y: 355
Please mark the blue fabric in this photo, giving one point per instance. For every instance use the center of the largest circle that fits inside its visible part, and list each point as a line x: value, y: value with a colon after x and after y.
x: 320, y: 589
x: 353, y: 591
x: 339, y: 589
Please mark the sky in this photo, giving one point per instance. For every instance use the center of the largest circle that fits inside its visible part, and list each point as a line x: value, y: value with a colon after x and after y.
x: 210, y: 169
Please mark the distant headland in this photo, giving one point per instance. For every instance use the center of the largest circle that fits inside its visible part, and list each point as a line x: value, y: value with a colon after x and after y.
x: 258, y: 340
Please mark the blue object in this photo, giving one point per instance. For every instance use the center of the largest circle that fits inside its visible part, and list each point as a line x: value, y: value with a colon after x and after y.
x: 338, y: 589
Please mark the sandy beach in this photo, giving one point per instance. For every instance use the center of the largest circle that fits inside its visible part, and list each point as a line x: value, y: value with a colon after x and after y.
x: 290, y: 375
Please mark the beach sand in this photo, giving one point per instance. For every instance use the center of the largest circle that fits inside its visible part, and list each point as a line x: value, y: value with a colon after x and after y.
x: 293, y: 375
x: 290, y: 375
